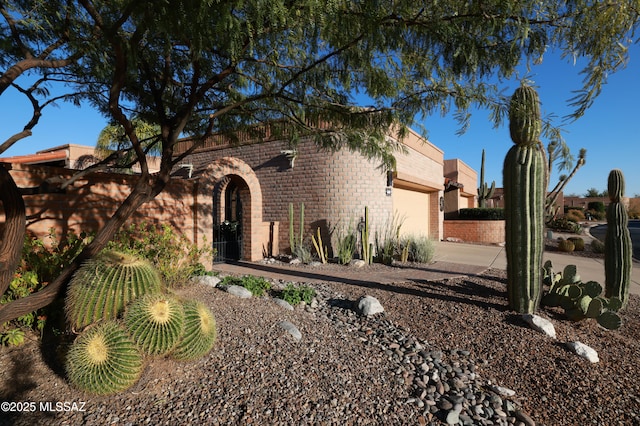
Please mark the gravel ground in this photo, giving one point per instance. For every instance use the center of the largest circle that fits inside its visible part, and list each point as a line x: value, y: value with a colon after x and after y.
x: 434, y: 356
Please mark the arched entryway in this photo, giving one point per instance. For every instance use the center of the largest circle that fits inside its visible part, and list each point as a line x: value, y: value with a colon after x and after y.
x: 229, y: 197
x: 230, y: 210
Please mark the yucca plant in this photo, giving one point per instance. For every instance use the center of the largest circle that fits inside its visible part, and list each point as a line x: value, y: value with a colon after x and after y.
x: 155, y: 322
x: 104, y: 285
x: 104, y: 360
x: 199, y: 332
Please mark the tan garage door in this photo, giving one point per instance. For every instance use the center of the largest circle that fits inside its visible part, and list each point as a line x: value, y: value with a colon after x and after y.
x: 413, y: 207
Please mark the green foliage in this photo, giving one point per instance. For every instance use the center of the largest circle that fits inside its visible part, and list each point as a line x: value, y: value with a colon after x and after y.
x: 102, y: 287
x: 346, y: 242
x: 524, y: 174
x: 578, y: 299
x: 296, y: 294
x: 563, y: 224
x: 256, y: 285
x: 172, y: 254
x: 200, y: 332
x: 597, y: 206
x: 388, y: 240
x: 41, y: 263
x: 155, y: 322
x: 103, y: 360
x: 421, y: 249
x: 481, y: 214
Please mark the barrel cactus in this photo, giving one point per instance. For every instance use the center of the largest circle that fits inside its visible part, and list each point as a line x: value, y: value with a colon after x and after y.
x: 104, y: 360
x: 617, y: 243
x: 104, y: 285
x: 156, y: 322
x: 524, y: 196
x: 199, y: 332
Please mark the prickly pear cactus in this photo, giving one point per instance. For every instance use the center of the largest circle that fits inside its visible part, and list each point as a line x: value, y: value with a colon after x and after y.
x: 617, y: 243
x: 199, y: 332
x: 104, y: 360
x: 524, y: 194
x: 104, y: 285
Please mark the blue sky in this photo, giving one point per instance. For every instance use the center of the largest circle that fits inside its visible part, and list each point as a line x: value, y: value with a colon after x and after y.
x: 609, y: 130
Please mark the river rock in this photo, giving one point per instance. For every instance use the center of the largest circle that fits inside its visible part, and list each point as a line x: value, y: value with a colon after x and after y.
x: 584, y: 351
x: 238, y: 291
x: 368, y: 305
x: 540, y: 324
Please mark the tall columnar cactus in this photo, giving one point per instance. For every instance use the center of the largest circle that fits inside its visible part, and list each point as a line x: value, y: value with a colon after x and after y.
x: 364, y: 238
x: 293, y: 241
x: 524, y: 195
x: 484, y: 191
x: 102, y: 286
x: 617, y: 243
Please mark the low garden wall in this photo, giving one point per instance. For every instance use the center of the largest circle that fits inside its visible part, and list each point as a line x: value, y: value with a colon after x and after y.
x: 475, y: 231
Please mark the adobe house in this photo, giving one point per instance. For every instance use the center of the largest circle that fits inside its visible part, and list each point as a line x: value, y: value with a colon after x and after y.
x: 245, y: 191
x: 238, y: 196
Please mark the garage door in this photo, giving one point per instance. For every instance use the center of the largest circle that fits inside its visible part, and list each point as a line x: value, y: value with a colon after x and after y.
x: 413, y: 207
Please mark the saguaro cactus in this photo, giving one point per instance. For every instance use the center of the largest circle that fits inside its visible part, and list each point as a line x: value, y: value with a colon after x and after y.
x: 484, y: 192
x: 617, y: 243
x: 524, y: 195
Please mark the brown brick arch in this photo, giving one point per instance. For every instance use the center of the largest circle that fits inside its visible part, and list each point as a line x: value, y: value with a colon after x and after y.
x: 213, y: 183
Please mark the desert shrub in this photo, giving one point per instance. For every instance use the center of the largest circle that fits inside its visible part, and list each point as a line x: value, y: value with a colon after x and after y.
x: 421, y: 249
x: 41, y: 263
x: 597, y: 246
x: 346, y: 241
x: 562, y: 224
x: 175, y: 257
x: 597, y: 215
x: 296, y: 294
x: 481, y: 214
x: 597, y: 206
x: 256, y: 285
x: 387, y: 241
x: 303, y: 252
x: 574, y: 215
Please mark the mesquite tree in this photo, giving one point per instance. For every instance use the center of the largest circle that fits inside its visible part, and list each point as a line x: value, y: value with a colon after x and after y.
x: 198, y: 68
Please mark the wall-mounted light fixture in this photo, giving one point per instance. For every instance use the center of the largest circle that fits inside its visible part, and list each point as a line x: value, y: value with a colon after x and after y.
x: 291, y: 155
x: 387, y: 190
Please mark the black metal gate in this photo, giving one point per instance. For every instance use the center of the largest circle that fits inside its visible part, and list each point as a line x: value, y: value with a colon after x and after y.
x: 227, y: 241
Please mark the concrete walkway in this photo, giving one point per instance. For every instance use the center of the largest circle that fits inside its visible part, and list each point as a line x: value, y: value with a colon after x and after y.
x: 494, y: 257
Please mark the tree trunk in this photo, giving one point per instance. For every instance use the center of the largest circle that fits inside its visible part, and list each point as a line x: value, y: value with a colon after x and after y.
x: 12, y: 235
x: 142, y: 192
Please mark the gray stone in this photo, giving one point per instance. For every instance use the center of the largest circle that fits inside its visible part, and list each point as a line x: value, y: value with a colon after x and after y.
x: 238, y: 291
x: 524, y: 418
x: 283, y: 304
x: 368, y: 305
x: 540, y: 324
x: 584, y: 351
x: 500, y: 390
x: 357, y: 263
x: 291, y: 329
x: 207, y: 280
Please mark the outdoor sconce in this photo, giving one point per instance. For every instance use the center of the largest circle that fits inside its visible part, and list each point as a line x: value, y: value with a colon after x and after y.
x: 387, y: 190
x: 441, y: 204
x: 291, y: 155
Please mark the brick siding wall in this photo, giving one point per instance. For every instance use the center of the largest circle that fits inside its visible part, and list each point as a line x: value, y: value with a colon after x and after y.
x: 477, y: 231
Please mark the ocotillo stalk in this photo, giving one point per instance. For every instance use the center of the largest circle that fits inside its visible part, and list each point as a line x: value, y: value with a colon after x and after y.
x: 617, y: 243
x: 524, y: 195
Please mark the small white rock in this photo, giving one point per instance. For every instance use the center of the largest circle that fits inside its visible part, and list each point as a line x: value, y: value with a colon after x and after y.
x: 291, y: 329
x: 357, y: 263
x: 238, y: 291
x: 369, y: 305
x: 502, y: 391
x: 540, y: 324
x: 584, y: 351
x: 207, y: 280
x: 283, y: 304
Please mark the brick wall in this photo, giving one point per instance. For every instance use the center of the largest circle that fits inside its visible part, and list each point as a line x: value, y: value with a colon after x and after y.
x: 477, y: 231
x: 94, y: 199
